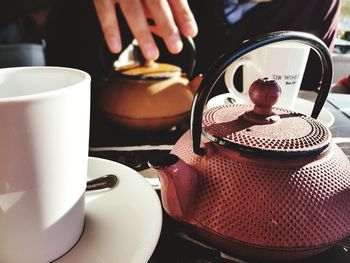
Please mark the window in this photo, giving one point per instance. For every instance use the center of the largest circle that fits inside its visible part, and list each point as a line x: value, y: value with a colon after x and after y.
x: 342, y: 43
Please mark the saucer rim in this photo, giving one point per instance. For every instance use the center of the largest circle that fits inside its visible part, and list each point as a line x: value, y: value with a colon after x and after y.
x: 76, y: 250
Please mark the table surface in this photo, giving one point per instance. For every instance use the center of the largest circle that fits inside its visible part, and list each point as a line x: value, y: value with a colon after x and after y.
x: 177, y: 243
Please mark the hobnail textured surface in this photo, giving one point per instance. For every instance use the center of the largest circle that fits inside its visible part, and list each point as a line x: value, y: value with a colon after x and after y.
x: 293, y: 133
x: 271, y: 203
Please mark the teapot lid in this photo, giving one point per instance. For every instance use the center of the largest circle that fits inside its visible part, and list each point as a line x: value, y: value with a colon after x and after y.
x: 149, y: 70
x: 264, y: 129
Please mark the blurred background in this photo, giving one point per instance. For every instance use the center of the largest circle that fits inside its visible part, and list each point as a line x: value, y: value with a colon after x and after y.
x: 23, y: 35
x: 341, y: 56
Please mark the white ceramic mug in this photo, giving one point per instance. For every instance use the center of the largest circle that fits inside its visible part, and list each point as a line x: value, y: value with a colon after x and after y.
x: 284, y: 62
x: 44, y: 139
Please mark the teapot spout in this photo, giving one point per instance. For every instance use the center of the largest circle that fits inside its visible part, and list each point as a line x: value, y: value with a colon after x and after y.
x: 178, y: 182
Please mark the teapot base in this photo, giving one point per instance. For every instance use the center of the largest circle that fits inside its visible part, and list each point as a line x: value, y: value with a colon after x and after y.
x: 246, y: 251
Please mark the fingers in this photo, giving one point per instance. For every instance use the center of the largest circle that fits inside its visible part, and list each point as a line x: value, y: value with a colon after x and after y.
x: 134, y: 13
x: 105, y: 10
x: 169, y: 16
x: 161, y: 14
x: 164, y: 13
x: 184, y: 17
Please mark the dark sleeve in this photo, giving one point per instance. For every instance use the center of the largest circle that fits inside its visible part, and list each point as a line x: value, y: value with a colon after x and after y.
x: 10, y: 10
x: 325, y: 27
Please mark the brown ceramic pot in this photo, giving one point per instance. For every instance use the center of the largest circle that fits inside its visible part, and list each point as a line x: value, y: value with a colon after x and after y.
x: 147, y: 96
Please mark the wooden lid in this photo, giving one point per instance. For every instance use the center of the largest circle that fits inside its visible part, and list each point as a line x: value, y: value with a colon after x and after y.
x: 149, y: 70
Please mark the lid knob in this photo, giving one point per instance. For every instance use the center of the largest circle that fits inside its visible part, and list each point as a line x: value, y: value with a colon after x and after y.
x: 264, y: 93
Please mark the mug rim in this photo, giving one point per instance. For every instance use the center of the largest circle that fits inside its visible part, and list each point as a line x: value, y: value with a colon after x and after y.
x: 84, y: 77
x: 287, y: 44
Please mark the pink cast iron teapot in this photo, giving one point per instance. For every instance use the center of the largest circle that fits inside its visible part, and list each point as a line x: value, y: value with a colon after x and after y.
x: 258, y: 181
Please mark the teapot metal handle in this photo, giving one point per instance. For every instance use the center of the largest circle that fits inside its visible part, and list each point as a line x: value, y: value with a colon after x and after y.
x: 190, y: 46
x: 219, y: 67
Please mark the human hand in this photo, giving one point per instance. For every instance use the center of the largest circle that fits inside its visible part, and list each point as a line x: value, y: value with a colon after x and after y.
x: 171, y: 17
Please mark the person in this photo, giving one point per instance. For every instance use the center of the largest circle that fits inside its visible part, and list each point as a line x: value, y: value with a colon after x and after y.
x: 78, y: 30
x: 171, y: 18
x: 23, y: 21
x: 22, y: 33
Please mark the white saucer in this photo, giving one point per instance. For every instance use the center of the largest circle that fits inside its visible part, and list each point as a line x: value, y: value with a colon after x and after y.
x: 122, y: 224
x: 301, y: 105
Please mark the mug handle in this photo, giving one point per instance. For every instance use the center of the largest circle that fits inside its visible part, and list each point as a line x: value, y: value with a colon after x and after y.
x: 219, y: 67
x: 230, y: 73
